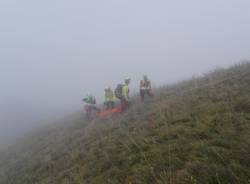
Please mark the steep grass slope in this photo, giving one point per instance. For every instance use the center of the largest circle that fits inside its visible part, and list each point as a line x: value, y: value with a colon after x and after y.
x: 197, y: 131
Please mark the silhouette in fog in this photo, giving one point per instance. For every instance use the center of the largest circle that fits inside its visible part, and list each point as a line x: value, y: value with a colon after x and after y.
x: 145, y: 88
x: 90, y: 106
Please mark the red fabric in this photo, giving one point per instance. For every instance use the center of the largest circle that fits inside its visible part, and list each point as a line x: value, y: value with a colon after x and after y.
x: 107, y: 113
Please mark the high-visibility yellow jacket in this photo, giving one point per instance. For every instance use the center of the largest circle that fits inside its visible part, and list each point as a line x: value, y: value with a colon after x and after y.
x: 109, y: 96
x: 125, y: 92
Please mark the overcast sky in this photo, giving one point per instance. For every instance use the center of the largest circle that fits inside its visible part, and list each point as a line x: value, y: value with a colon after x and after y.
x: 53, y: 52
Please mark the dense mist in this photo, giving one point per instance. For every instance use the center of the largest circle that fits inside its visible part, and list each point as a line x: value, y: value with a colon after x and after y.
x: 52, y: 53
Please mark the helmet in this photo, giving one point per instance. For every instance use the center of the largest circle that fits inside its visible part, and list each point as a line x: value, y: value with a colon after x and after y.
x: 127, y: 80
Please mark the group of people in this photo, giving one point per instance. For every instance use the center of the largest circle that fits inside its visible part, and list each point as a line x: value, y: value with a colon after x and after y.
x: 121, y: 92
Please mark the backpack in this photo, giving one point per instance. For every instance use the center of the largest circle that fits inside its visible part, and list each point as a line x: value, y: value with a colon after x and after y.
x: 118, y: 91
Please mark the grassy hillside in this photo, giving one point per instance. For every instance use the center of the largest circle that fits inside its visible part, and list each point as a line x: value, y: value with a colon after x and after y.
x: 197, y: 131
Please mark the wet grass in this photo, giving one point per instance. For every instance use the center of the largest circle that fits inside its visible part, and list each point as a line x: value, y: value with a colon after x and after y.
x: 197, y: 131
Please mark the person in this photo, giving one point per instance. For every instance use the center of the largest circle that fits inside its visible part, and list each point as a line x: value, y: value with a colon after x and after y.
x: 145, y: 88
x: 109, y: 98
x: 90, y: 106
x: 122, y: 93
x: 125, y: 95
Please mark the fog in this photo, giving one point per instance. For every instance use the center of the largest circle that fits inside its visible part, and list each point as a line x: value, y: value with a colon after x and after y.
x: 53, y: 52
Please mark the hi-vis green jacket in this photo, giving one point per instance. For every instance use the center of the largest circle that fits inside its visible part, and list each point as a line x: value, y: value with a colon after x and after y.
x: 109, y: 96
x: 125, y: 92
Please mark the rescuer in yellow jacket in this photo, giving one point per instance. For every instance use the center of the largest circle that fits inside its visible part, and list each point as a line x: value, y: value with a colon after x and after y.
x: 109, y: 98
x: 90, y: 106
x: 125, y: 94
x: 145, y: 88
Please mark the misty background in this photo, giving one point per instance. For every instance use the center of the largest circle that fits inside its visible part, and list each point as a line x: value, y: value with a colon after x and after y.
x: 53, y: 52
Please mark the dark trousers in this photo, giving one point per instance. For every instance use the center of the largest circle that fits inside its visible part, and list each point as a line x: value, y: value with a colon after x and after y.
x: 144, y: 92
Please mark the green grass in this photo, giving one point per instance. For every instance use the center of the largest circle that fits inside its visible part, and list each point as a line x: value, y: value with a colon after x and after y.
x: 197, y: 131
